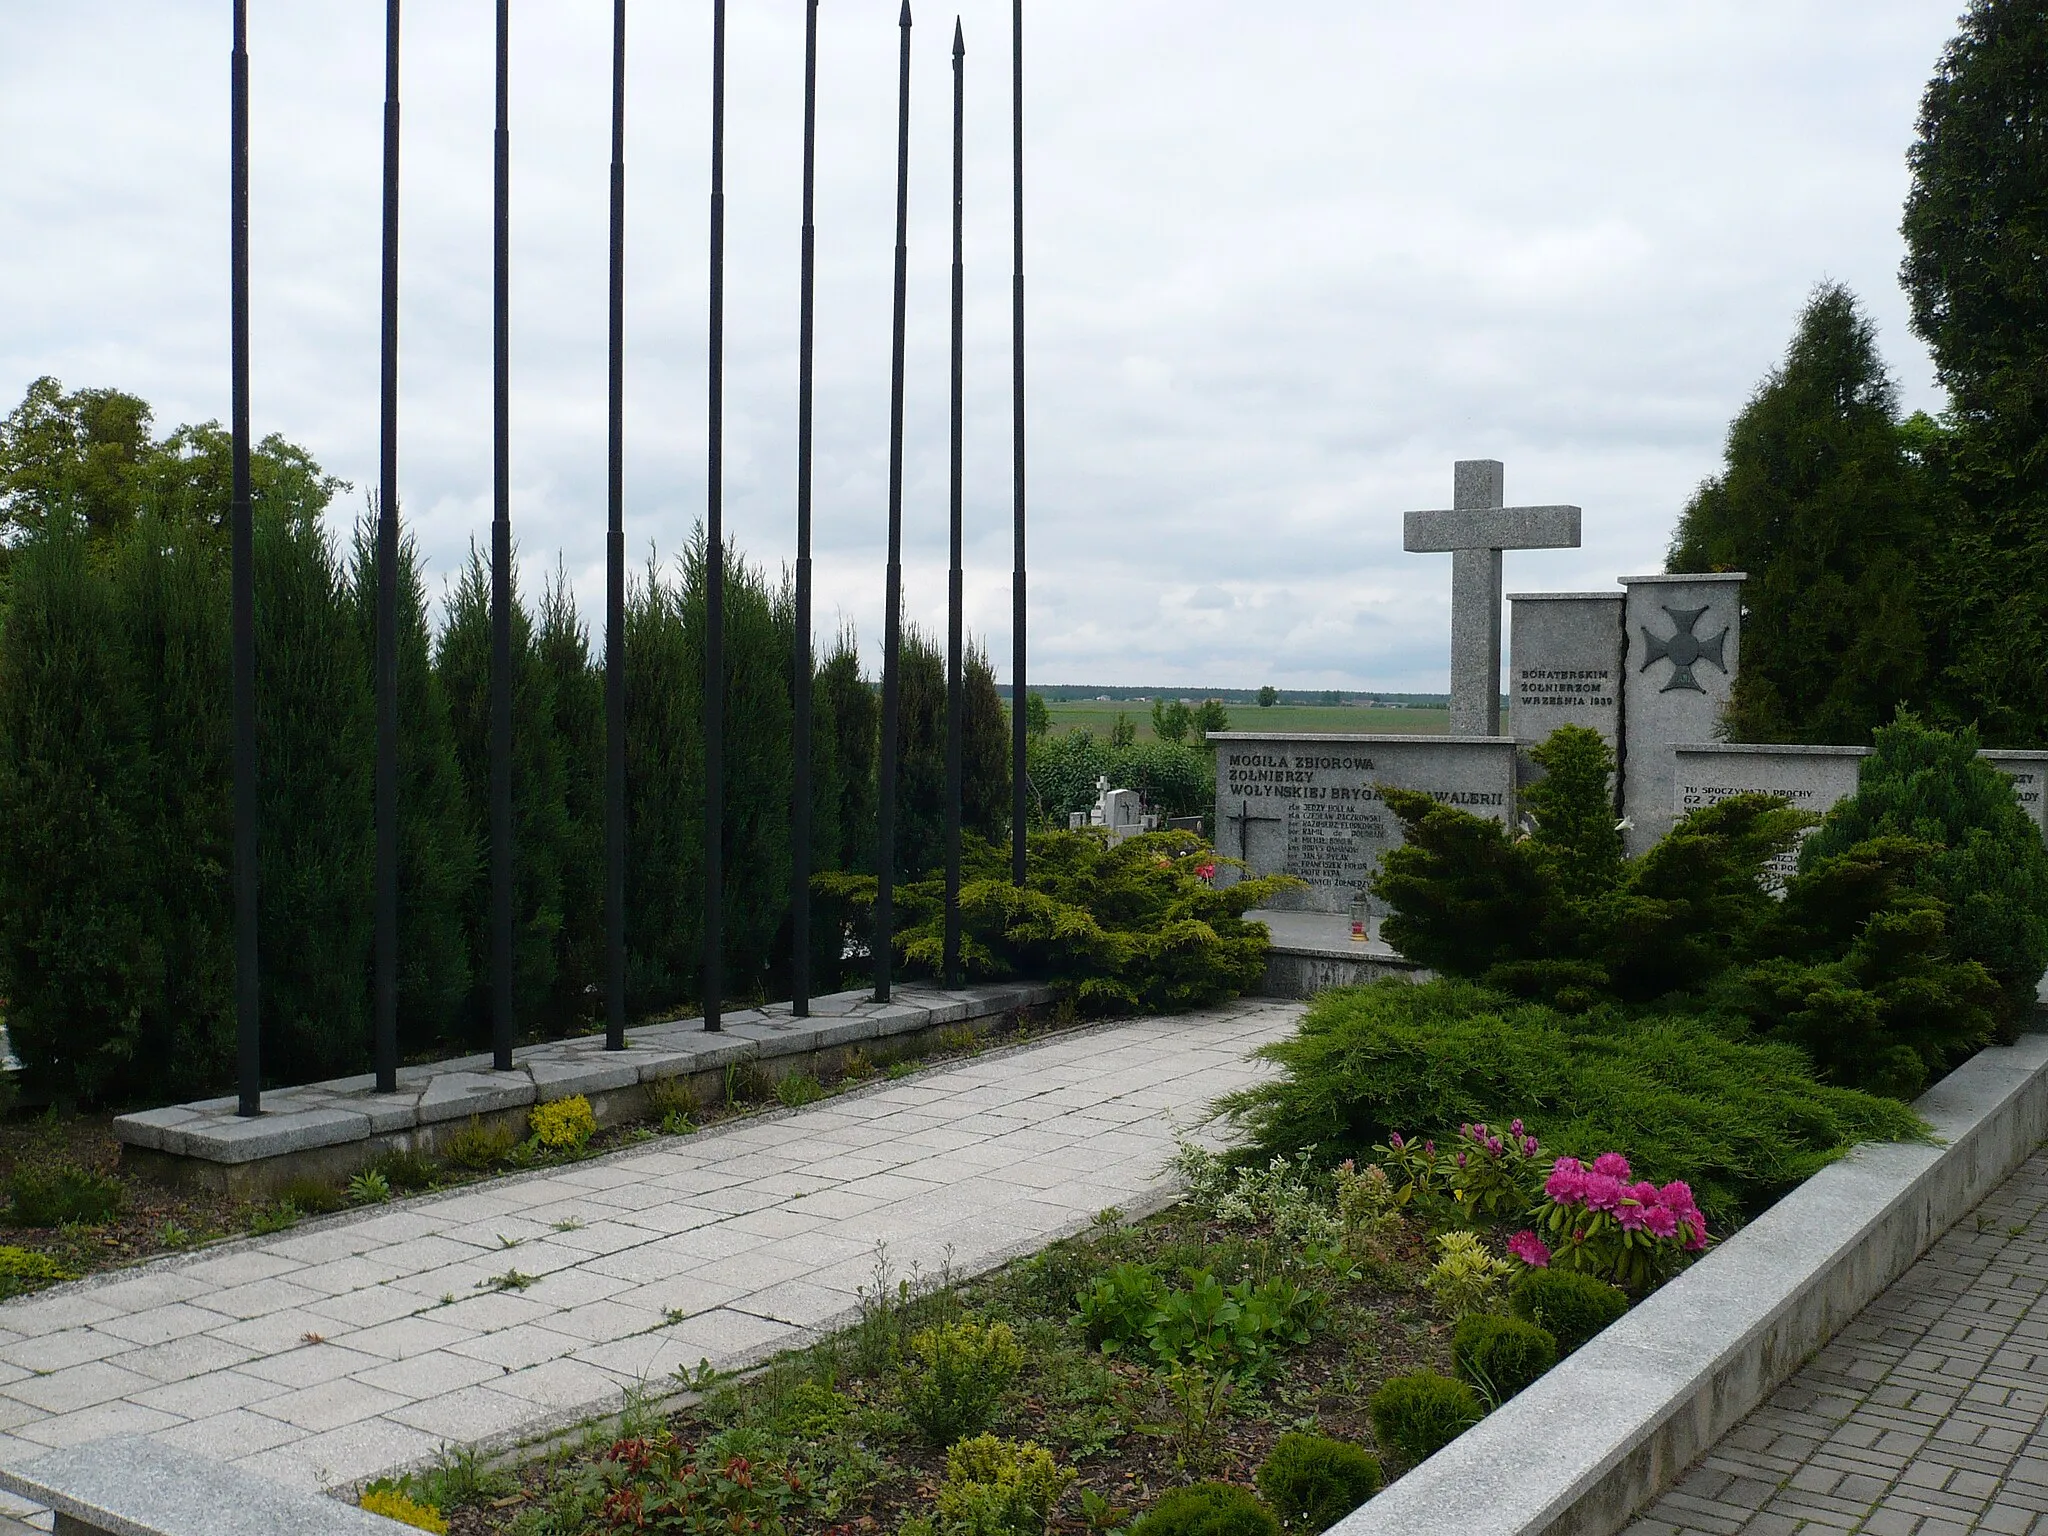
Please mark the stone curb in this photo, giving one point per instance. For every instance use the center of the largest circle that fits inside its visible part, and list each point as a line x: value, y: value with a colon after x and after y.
x: 328, y: 1128
x: 1595, y: 1440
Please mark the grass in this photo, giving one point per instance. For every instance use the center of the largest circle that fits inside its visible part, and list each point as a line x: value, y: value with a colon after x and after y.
x: 1099, y: 716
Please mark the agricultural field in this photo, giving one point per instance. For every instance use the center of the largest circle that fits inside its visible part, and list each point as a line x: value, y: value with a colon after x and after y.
x: 1099, y: 716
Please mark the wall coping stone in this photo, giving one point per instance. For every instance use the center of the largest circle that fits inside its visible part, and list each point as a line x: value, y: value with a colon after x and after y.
x: 1638, y: 581
x: 1594, y: 1440
x: 1771, y: 749
x: 1566, y: 597
x: 347, y: 1109
x: 131, y: 1486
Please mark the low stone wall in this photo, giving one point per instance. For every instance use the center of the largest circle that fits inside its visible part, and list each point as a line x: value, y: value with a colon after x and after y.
x: 1592, y: 1442
x: 334, y: 1129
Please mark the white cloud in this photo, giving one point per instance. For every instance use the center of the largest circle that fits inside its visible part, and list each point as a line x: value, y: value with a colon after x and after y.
x: 1286, y: 263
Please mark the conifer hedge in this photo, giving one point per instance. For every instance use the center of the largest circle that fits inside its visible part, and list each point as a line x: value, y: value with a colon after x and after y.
x: 116, y: 918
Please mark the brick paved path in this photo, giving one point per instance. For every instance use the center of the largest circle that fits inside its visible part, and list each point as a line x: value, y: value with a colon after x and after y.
x: 355, y: 1345
x: 1922, y: 1418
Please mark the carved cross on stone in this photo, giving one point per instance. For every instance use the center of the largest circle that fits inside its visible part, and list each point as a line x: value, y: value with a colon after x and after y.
x: 1474, y: 531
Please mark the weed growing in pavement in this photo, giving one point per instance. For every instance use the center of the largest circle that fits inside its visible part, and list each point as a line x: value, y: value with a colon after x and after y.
x: 369, y: 1188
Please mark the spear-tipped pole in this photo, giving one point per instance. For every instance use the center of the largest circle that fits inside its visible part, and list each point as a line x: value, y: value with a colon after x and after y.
x: 387, y: 593
x: 953, y: 582
x: 892, y: 620
x: 800, y: 807
x: 1019, y: 778
x: 501, y: 566
x: 615, y: 577
x: 714, y: 561
x: 248, y: 995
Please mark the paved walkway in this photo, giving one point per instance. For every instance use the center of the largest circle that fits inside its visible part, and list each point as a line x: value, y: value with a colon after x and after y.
x: 1922, y: 1418
x: 361, y: 1343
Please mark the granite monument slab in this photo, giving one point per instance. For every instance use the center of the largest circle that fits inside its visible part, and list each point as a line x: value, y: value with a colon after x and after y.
x: 1564, y: 667
x: 1683, y: 642
x: 1311, y: 806
x: 1812, y: 778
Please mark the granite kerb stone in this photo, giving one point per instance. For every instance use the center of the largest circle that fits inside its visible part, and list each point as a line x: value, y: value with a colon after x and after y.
x: 326, y: 1120
x: 131, y: 1486
x: 1593, y: 1441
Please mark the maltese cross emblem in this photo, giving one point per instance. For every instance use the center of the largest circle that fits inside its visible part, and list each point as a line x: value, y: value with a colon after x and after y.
x: 1684, y: 649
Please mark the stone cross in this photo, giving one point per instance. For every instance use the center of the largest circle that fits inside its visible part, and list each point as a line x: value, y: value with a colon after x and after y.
x: 1474, y: 531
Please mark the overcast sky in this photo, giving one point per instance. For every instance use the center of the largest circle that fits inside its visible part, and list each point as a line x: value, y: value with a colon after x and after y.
x: 1286, y: 263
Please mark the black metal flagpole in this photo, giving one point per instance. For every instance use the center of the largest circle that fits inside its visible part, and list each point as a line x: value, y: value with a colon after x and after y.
x: 248, y: 991
x: 953, y: 582
x: 501, y: 574
x: 387, y: 594
x: 1019, y: 779
x: 714, y: 560
x: 800, y: 807
x: 892, y: 619
x: 615, y: 577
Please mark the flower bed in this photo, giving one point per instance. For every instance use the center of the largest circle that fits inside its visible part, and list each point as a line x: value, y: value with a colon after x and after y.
x: 1299, y: 1333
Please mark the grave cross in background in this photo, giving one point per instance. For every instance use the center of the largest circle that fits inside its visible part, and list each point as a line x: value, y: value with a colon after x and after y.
x: 1474, y: 531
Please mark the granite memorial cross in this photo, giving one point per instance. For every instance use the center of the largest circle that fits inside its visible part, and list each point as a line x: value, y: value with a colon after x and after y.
x: 1474, y: 532
x: 1244, y: 818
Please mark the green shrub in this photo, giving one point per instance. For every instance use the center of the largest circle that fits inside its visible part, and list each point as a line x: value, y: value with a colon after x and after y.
x: 369, y: 1188
x: 1559, y: 915
x: 1207, y: 1509
x: 999, y: 1488
x: 1118, y: 1307
x: 1177, y: 778
x: 1741, y: 1122
x: 312, y: 1197
x: 56, y: 1197
x: 562, y: 1125
x: 668, y: 1096
x: 480, y: 1145
x: 1416, y: 1415
x: 405, y: 1169
x: 1500, y: 1355
x: 1864, y: 979
x: 23, y: 1270
x: 1125, y: 927
x: 1572, y: 1306
x: 1991, y: 870
x: 958, y: 1376
x: 1312, y: 1481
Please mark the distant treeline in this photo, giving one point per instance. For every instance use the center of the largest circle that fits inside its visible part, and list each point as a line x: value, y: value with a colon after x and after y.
x: 1064, y: 693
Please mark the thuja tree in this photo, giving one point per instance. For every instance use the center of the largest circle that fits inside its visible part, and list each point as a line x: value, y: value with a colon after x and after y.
x: 921, y: 753
x: 541, y: 830
x: 1824, y: 506
x: 576, y: 693
x: 1975, y: 222
x: 438, y: 854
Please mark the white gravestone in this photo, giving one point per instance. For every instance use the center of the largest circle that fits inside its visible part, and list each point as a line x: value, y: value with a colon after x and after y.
x: 1474, y: 531
x: 1812, y: 778
x: 1683, y: 643
x: 1564, y: 666
x: 1310, y: 805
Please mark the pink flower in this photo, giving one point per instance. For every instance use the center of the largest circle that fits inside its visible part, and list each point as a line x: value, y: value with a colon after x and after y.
x: 1660, y: 1221
x: 1461, y: 1159
x: 1603, y: 1191
x: 1613, y: 1164
x: 1514, y: 1127
x: 1429, y: 1147
x: 1677, y: 1194
x: 1528, y: 1146
x: 1205, y: 871
x: 1528, y: 1247
x: 1395, y: 1138
x: 1567, y: 1182
x: 1630, y: 1215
